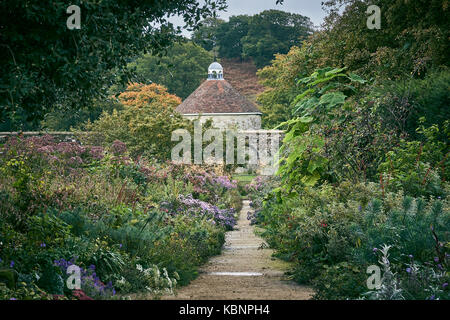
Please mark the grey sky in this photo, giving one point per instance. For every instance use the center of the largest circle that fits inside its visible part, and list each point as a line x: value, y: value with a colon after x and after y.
x: 309, y: 8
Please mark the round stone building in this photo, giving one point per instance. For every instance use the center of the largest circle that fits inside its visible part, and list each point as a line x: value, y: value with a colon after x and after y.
x: 217, y: 100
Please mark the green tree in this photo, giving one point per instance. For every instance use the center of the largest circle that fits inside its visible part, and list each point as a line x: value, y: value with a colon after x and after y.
x: 280, y: 80
x: 144, y: 124
x: 274, y: 31
x: 61, y: 120
x: 207, y: 34
x: 413, y: 38
x: 230, y: 34
x: 304, y: 152
x: 410, y: 45
x: 181, y: 70
x: 44, y: 64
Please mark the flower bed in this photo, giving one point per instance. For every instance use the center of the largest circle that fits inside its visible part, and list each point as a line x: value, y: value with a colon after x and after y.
x: 333, y: 234
x: 130, y: 226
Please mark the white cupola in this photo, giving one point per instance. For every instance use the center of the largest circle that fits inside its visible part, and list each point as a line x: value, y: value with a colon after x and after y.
x: 215, y: 71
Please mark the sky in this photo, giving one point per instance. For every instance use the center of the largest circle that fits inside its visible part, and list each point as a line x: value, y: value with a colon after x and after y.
x: 309, y: 8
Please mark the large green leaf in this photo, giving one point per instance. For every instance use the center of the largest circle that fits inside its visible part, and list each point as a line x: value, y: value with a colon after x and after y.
x: 334, y: 71
x: 332, y: 99
x: 355, y: 78
x: 322, y: 80
x: 316, y: 163
x: 310, y: 180
x: 306, y: 105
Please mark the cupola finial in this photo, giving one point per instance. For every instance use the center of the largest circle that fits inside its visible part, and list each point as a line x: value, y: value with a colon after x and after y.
x: 215, y: 71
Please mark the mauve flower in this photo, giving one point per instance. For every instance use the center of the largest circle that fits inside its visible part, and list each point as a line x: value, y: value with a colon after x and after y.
x: 43, y: 245
x: 53, y: 159
x: 436, y: 259
x: 444, y: 285
x: 375, y: 249
x: 225, y: 182
x: 96, y: 153
x: 224, y: 217
x: 76, y: 160
x: 70, y: 148
x: 411, y: 256
x: 118, y: 147
x: 11, y: 265
x: 408, y: 270
x: 46, y: 149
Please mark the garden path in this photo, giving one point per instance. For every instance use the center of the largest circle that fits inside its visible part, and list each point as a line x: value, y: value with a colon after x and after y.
x: 244, y: 270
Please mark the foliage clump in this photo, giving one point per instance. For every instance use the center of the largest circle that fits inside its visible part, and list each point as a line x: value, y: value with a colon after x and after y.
x: 133, y: 227
x: 363, y: 173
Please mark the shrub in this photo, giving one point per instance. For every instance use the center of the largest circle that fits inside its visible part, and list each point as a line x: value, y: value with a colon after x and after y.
x: 332, y: 233
x: 106, y: 213
x: 144, y: 124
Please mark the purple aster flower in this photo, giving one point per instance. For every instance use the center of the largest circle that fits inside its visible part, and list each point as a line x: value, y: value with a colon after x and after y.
x: 11, y: 265
x: 43, y: 245
x: 375, y: 249
x: 436, y: 259
x: 408, y: 270
x: 444, y: 285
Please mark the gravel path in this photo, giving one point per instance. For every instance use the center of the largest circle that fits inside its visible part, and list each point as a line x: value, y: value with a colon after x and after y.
x: 243, y: 271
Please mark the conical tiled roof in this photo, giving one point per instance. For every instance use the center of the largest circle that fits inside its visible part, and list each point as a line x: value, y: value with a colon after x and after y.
x: 216, y: 96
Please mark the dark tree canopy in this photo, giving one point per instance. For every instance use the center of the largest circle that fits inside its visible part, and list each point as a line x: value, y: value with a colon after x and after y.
x: 258, y: 37
x: 274, y: 31
x: 46, y: 65
x: 230, y: 36
x: 413, y: 37
x: 182, y: 70
x: 206, y: 35
x: 408, y: 57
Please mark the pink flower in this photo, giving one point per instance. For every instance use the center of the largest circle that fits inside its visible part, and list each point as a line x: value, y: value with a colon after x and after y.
x: 118, y: 147
x: 96, y: 153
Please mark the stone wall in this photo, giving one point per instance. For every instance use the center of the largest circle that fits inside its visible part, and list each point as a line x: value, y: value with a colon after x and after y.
x: 226, y: 121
